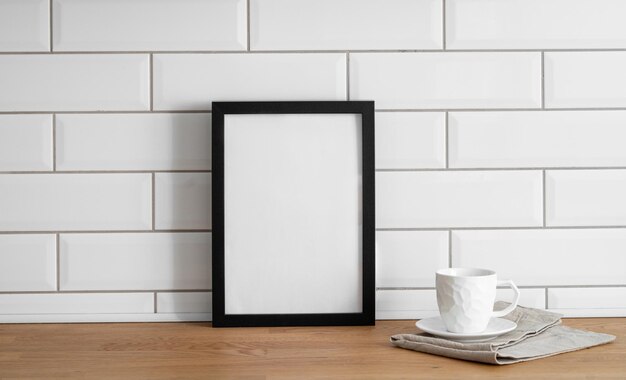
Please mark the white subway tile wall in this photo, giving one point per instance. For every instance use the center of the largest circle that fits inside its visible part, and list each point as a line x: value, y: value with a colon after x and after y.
x: 193, y: 81
x: 516, y: 139
x: 535, y: 24
x: 147, y: 141
x: 24, y: 25
x: 184, y: 302
x: 447, y: 80
x: 500, y: 129
x: 597, y: 302
x: 585, y: 79
x: 76, y: 303
x: 74, y: 82
x: 427, y: 199
x: 95, y: 25
x: 141, y: 261
x: 422, y: 303
x: 537, y: 257
x: 581, y: 197
x: 26, y: 142
x: 28, y: 262
x: 531, y: 297
x: 410, y: 140
x: 410, y: 258
x: 345, y: 24
x: 405, y: 303
x: 72, y: 202
x: 182, y: 201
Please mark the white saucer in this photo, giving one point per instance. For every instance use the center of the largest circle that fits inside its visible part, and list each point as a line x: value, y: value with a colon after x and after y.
x: 496, y: 326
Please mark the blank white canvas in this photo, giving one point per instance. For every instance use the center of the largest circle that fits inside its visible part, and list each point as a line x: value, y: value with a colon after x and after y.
x: 292, y: 213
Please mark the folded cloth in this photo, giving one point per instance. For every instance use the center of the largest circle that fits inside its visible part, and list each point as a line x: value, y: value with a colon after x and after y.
x: 538, y: 335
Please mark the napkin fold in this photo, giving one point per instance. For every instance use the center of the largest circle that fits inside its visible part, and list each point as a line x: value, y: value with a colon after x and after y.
x: 539, y: 334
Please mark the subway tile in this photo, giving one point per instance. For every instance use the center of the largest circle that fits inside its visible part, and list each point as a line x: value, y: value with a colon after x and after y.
x: 76, y: 303
x: 406, y: 304
x: 535, y: 24
x: 410, y: 140
x: 182, y: 201
x: 585, y: 79
x: 597, y: 302
x: 410, y: 258
x: 27, y: 262
x: 75, y: 82
x: 458, y: 199
x: 193, y: 81
x: 585, y: 197
x: 25, y: 142
x: 545, y: 257
x: 422, y: 303
x: 181, y: 302
x: 159, y: 141
x: 447, y: 80
x: 24, y: 25
x: 105, y: 317
x: 347, y: 24
x: 86, y: 25
x: 533, y: 297
x: 52, y: 202
x: 135, y: 261
x: 537, y: 139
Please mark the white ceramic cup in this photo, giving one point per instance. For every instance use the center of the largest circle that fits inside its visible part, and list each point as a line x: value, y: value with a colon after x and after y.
x: 465, y: 297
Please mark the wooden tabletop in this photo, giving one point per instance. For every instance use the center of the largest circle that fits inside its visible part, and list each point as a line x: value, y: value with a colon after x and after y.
x: 197, y: 351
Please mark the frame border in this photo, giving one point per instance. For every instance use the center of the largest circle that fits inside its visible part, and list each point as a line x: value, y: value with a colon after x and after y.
x: 367, y: 316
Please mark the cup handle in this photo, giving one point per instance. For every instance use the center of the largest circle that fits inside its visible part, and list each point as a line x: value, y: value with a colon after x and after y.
x: 513, y: 305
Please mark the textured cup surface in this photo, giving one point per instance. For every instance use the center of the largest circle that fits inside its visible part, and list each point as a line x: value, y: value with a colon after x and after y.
x: 465, y: 298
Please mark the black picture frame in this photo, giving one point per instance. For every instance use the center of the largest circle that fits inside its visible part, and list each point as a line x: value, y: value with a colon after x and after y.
x: 366, y: 111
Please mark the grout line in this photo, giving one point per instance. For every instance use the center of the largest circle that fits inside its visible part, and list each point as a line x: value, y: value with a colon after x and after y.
x: 457, y: 109
x: 50, y: 48
x: 314, y: 51
x: 546, y: 298
x: 122, y: 112
x: 443, y: 23
x: 393, y: 229
x: 447, y: 142
x: 527, y: 168
x: 155, y: 302
x: 151, y: 82
x: 110, y: 291
x: 543, y: 196
x: 449, y: 248
x: 153, y: 201
x: 588, y: 168
x: 543, y: 82
x: 188, y: 230
x: 504, y: 287
x: 488, y: 109
x: 248, y: 24
x: 103, y: 231
x: 58, y: 261
x: 494, y: 228
x: 377, y: 170
x: 242, y: 51
x: 100, y: 112
x: 54, y: 143
x: 105, y: 171
x: 156, y: 291
x: 347, y: 75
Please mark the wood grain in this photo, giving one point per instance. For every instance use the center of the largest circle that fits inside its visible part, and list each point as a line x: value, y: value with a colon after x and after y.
x: 197, y: 351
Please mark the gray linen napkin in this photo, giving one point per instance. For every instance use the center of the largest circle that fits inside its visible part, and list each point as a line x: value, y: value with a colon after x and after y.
x: 538, y: 335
